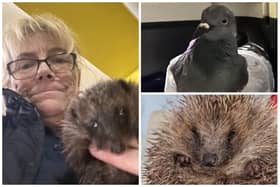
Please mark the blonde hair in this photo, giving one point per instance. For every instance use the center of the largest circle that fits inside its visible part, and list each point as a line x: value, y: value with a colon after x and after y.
x: 26, y: 27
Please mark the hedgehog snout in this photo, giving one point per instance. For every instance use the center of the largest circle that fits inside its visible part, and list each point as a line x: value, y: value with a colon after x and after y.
x: 209, y: 159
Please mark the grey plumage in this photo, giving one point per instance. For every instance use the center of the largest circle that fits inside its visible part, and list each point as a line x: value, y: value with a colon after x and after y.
x: 213, y: 62
x: 259, y: 69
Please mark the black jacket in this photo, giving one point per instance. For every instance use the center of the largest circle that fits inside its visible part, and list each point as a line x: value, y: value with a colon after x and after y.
x: 30, y: 151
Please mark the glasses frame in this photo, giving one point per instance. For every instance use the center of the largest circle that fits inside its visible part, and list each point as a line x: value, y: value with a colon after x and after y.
x: 39, y: 61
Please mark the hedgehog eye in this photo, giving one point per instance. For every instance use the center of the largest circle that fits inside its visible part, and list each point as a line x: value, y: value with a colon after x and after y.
x: 225, y: 21
x: 231, y: 135
x: 195, y: 133
x: 121, y: 112
x: 94, y: 124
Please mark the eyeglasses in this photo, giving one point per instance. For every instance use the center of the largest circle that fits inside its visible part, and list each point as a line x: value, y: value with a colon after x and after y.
x: 27, y: 68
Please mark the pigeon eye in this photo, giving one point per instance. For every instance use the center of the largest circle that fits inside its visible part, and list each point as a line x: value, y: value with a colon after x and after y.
x: 225, y: 21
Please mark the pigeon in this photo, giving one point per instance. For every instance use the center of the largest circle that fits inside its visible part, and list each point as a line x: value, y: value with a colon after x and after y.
x: 214, y: 63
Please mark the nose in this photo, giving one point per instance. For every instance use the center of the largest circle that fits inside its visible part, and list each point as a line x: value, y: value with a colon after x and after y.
x: 209, y: 159
x: 44, y: 72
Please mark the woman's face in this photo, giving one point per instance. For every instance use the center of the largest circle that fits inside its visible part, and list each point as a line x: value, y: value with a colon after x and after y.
x: 50, y: 92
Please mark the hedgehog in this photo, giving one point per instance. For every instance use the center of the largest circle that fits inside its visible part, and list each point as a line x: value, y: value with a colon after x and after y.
x: 214, y: 139
x: 107, y: 116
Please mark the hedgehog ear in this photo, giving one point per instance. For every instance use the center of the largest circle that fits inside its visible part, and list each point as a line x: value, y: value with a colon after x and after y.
x: 124, y: 85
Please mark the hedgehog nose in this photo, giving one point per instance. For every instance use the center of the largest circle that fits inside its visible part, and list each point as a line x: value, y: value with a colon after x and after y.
x: 209, y: 159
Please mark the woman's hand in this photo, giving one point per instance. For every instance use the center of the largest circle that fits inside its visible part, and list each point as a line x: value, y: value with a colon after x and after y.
x: 127, y: 161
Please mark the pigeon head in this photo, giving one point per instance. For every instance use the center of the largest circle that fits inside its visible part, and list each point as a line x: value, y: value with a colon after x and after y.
x: 218, y: 18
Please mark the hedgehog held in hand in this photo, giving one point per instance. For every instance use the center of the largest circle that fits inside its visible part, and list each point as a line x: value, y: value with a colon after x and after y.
x: 106, y: 115
x: 214, y: 140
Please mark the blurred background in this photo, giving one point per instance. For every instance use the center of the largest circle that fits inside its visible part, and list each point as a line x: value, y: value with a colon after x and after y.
x: 107, y: 33
x: 151, y: 104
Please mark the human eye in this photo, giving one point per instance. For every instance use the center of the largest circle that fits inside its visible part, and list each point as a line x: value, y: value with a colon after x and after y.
x: 24, y: 65
x: 59, y: 59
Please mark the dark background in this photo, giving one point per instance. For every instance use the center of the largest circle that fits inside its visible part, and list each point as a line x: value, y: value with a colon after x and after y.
x: 161, y: 41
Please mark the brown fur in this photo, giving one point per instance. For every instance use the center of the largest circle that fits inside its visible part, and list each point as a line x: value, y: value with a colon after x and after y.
x: 240, y: 130
x: 113, y: 107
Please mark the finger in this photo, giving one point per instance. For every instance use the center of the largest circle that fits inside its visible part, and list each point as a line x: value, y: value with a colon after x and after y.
x: 127, y: 161
x: 133, y: 143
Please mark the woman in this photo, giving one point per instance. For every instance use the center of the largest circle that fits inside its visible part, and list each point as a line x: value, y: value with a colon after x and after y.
x: 41, y: 64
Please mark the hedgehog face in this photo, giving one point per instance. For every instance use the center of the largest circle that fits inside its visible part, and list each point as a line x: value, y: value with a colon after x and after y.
x: 213, y: 147
x: 211, y: 138
x: 109, y: 115
x: 215, y: 140
x: 109, y: 127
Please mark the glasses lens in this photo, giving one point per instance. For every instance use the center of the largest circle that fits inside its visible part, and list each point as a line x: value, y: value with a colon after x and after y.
x: 23, y: 69
x: 61, y: 62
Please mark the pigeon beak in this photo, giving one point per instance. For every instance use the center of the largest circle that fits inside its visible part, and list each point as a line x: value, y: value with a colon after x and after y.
x: 204, y: 25
x: 201, y: 29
